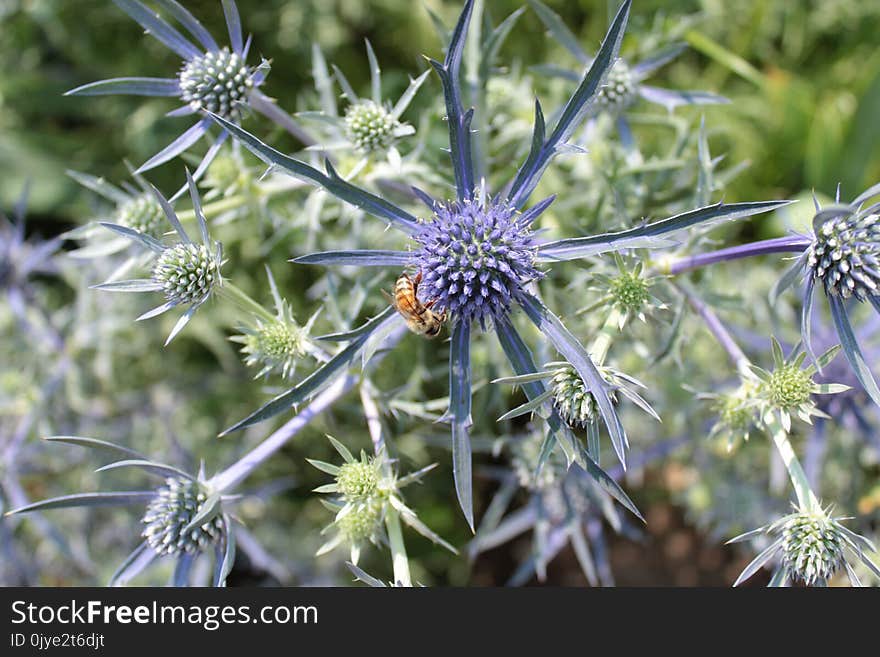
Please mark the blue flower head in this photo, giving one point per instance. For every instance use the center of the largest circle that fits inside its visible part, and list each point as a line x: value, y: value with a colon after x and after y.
x: 475, y: 257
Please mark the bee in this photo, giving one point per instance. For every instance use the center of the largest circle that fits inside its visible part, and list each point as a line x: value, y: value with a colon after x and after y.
x: 420, y: 319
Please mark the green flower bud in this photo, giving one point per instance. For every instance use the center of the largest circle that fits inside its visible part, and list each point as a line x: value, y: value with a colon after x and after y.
x: 187, y: 273
x: 143, y: 214
x: 812, y: 546
x: 217, y: 82
x: 370, y: 126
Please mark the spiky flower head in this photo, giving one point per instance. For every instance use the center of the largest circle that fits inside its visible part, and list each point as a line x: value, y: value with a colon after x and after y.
x: 628, y: 290
x: 366, y: 490
x: 362, y: 523
x: 736, y: 411
x: 359, y: 480
x: 619, y: 90
x: 789, y: 389
x: 370, y: 126
x: 526, y: 454
x: 475, y: 258
x: 143, y: 214
x: 812, y: 546
x: 175, y: 506
x: 577, y: 405
x: 217, y: 82
x: 844, y: 255
x: 187, y: 272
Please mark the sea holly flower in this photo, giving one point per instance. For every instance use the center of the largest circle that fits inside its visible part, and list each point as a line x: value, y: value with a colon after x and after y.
x: 477, y: 253
x: 187, y: 273
x: 788, y: 389
x: 134, y: 207
x: 368, y: 127
x: 737, y: 411
x: 364, y: 491
x: 184, y: 517
x: 211, y: 79
x: 811, y: 548
x: 625, y: 82
x: 627, y: 290
x: 843, y: 256
x: 277, y: 343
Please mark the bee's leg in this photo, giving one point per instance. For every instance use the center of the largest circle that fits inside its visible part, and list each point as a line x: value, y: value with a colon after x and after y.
x: 430, y: 303
x: 417, y: 280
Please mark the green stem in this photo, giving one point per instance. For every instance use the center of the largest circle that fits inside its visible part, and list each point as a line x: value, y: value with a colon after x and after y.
x: 807, y: 500
x: 239, y: 200
x: 238, y: 297
x: 602, y: 343
x: 398, y: 550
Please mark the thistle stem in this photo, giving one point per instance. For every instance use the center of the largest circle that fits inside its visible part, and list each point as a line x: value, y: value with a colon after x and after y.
x: 398, y: 550
x: 715, y: 326
x: 787, y: 244
x: 807, y: 500
x: 238, y: 200
x: 241, y: 299
x: 602, y: 343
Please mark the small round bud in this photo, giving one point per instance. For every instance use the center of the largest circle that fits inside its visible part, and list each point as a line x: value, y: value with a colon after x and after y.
x: 526, y: 452
x: 187, y: 273
x: 619, y: 90
x: 629, y: 292
x: 276, y: 346
x: 575, y: 403
x: 812, y: 546
x: 845, y: 256
x: 217, y: 82
x: 788, y: 387
x: 358, y: 481
x: 370, y: 126
x: 168, y: 514
x: 361, y: 523
x: 143, y: 214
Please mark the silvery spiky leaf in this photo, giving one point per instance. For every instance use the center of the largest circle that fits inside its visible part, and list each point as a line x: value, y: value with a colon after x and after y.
x: 810, y: 547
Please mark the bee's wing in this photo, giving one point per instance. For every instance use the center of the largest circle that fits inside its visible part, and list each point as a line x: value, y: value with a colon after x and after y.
x: 390, y: 298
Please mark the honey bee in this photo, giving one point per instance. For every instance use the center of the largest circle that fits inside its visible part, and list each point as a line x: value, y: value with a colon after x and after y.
x: 420, y: 319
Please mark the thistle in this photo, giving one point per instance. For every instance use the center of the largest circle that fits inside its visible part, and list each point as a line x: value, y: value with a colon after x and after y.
x: 811, y: 547
x: 371, y: 127
x: 627, y: 290
x: 788, y: 389
x: 211, y: 79
x: 184, y: 516
x: 276, y: 343
x: 186, y: 273
x: 843, y: 256
x: 365, y: 490
x: 169, y: 527
x: 624, y: 83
